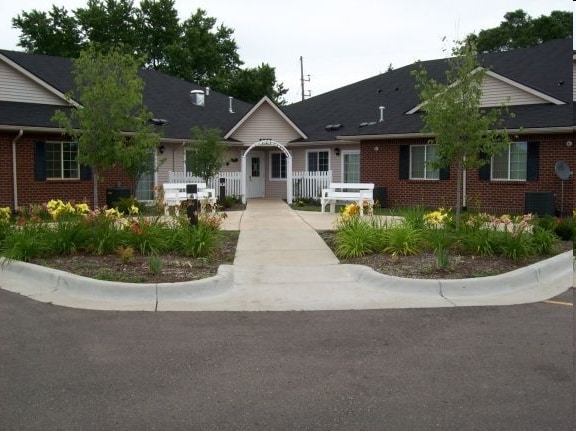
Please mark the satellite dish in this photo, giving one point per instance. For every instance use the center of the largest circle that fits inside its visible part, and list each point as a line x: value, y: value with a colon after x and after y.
x: 562, y: 170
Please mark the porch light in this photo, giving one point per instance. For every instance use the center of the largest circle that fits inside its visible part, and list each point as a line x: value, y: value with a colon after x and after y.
x: 337, y: 151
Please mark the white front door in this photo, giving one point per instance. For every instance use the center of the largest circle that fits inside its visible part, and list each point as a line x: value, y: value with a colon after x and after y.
x: 351, y: 166
x: 255, y: 175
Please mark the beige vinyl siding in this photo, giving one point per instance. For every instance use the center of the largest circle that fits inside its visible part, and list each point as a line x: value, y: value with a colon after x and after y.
x: 265, y: 123
x: 15, y: 87
x: 496, y: 93
x: 171, y: 160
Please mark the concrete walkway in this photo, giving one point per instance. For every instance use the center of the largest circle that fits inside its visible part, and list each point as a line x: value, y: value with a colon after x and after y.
x: 282, y: 264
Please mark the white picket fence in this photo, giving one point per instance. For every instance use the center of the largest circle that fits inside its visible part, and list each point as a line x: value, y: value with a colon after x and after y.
x: 310, y: 184
x: 233, y: 183
x: 304, y: 184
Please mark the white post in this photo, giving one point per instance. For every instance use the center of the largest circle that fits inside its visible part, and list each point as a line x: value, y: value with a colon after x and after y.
x: 243, y: 178
x: 289, y: 179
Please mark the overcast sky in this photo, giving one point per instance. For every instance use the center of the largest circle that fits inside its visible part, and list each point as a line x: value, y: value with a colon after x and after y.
x: 341, y: 42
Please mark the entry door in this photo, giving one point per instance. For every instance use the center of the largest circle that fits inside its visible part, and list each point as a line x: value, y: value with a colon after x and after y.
x: 351, y: 166
x: 255, y: 175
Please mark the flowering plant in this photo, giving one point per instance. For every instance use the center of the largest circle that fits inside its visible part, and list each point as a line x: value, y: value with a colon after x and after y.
x: 57, y: 208
x: 437, y: 219
x: 5, y: 215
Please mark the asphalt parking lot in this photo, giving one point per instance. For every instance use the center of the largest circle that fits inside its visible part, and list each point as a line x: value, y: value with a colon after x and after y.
x: 477, y: 368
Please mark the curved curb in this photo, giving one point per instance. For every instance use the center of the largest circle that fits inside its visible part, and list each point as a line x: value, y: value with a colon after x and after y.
x: 539, y: 281
x: 63, y: 288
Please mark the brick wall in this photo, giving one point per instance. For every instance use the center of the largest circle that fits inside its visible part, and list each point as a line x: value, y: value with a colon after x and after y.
x: 37, y: 192
x: 381, y: 167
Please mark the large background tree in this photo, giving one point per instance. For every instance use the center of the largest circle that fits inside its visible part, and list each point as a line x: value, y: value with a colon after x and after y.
x: 196, y: 49
x: 520, y: 30
x: 109, y: 90
x: 465, y: 135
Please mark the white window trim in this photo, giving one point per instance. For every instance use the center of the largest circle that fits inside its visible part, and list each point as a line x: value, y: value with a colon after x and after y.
x: 313, y: 150
x: 426, y: 163
x: 515, y: 180
x: 62, y: 178
x: 270, y: 177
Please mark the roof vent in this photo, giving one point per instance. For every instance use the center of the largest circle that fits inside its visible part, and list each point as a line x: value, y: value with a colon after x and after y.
x: 381, y: 113
x: 207, y: 91
x: 158, y: 121
x: 197, y: 97
x: 331, y: 127
x: 230, y: 108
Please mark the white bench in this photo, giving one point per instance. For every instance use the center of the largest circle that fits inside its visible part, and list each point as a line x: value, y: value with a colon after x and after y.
x: 175, y: 194
x: 360, y: 193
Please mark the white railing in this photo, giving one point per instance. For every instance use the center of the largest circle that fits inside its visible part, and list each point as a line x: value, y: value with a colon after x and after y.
x: 310, y: 184
x: 233, y: 184
x: 304, y: 184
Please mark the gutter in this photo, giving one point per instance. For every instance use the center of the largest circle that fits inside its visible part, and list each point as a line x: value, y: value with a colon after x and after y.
x: 14, y: 169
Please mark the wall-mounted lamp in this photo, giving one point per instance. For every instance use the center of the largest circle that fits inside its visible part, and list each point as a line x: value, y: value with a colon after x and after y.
x: 161, y: 149
x: 337, y: 151
x: 568, y: 144
x: 376, y: 148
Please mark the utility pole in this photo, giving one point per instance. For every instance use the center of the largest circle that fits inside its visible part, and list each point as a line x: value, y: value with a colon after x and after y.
x: 302, y: 80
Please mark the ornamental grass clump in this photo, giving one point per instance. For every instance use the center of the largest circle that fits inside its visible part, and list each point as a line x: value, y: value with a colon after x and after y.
x: 356, y: 238
x: 439, y: 235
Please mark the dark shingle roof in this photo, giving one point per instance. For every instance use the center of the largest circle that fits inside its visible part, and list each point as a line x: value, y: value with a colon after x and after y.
x: 165, y: 96
x: 546, y: 68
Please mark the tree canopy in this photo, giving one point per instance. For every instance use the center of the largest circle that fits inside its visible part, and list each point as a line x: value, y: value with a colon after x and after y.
x: 109, y: 90
x: 520, y: 30
x: 196, y: 49
x: 208, y: 150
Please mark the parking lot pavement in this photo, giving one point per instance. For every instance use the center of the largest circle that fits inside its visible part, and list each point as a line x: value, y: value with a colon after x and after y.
x: 480, y: 368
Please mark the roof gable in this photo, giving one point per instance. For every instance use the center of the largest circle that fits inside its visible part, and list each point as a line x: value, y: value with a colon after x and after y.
x: 19, y: 85
x: 497, y: 90
x: 265, y: 121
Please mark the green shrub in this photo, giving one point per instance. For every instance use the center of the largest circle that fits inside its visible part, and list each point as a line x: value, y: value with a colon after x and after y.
x: 403, y: 240
x: 148, y: 236
x: 516, y: 246
x: 479, y: 241
x: 544, y: 242
x: 68, y: 237
x: 195, y: 241
x: 355, y: 238
x: 26, y: 243
x: 104, y: 236
x: 565, y: 229
x: 127, y: 205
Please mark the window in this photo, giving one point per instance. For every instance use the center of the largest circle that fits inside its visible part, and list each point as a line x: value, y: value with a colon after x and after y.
x: 511, y: 164
x: 61, y: 160
x: 420, y: 158
x: 351, y: 166
x: 318, y: 161
x: 278, y: 165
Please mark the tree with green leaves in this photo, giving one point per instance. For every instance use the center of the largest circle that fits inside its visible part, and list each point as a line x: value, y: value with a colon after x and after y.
x: 251, y: 84
x: 520, y: 30
x: 197, y: 49
x: 110, y: 122
x: 464, y: 134
x: 207, y: 150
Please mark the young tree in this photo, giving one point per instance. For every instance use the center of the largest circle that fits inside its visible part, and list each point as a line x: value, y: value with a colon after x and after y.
x: 207, y: 150
x: 111, y: 124
x: 464, y: 133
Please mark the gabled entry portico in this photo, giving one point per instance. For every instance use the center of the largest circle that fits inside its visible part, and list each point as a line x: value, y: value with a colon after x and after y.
x: 268, y: 143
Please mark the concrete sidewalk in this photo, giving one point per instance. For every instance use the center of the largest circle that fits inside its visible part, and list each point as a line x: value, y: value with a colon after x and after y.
x: 282, y: 264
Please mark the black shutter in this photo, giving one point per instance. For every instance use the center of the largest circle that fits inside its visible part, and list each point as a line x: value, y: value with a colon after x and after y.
x: 85, y: 173
x: 532, y: 164
x: 445, y: 173
x: 404, y: 166
x: 40, y: 161
x: 484, y: 170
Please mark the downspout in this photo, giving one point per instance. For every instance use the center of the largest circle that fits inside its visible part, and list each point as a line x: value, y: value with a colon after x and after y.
x: 14, y: 171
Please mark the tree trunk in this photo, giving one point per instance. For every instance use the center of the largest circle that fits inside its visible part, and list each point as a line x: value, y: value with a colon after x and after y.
x: 95, y: 179
x: 459, y: 176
